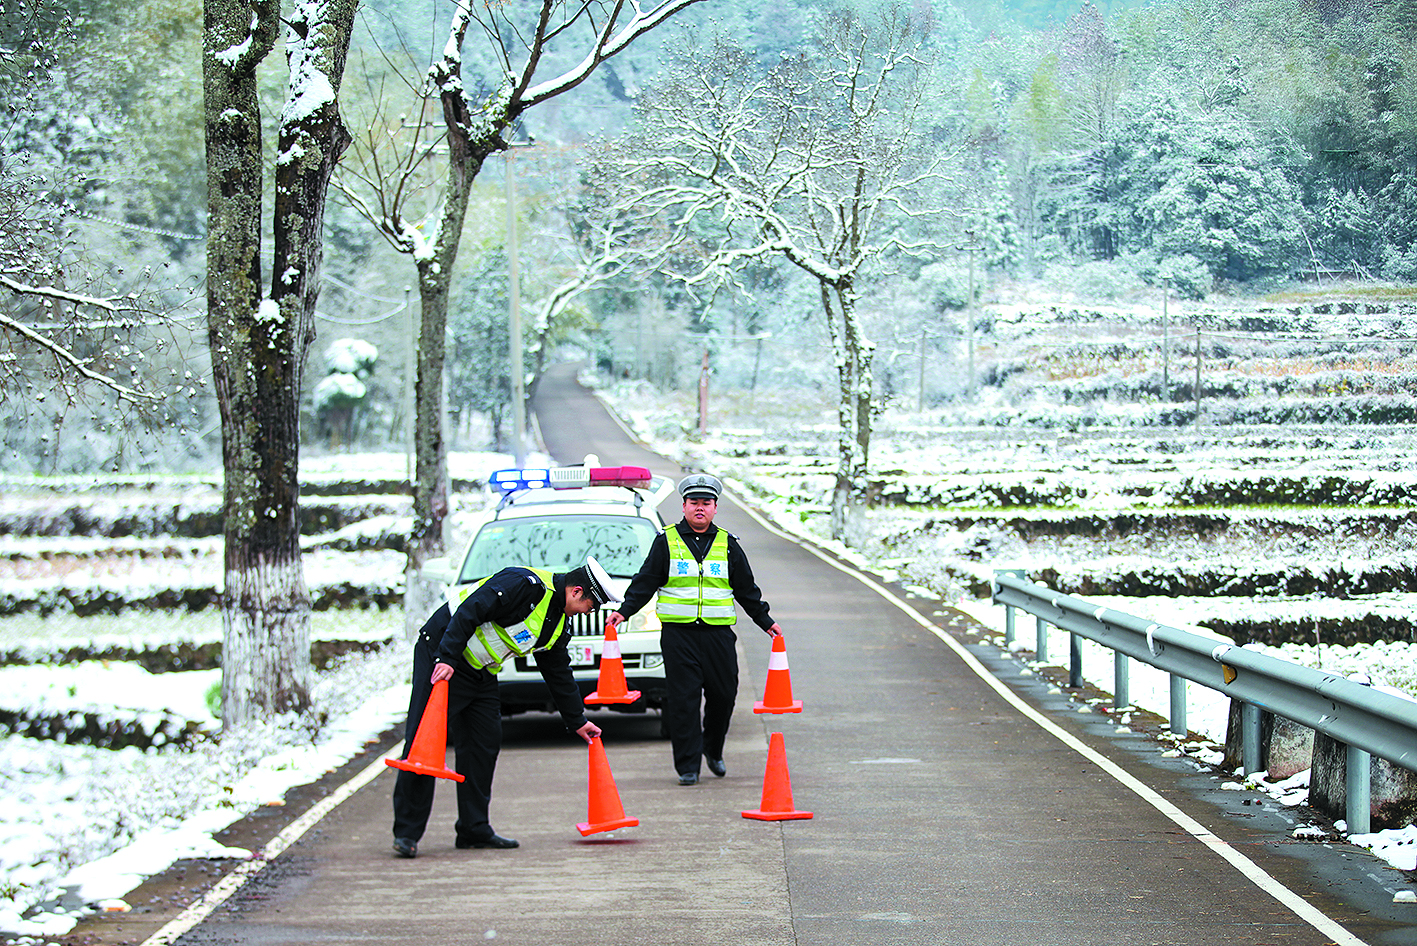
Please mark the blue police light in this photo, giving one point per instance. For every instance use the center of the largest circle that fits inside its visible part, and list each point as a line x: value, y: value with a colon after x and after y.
x: 510, y: 481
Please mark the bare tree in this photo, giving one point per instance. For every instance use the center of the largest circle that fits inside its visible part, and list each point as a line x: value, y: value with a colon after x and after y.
x: 606, y: 245
x: 72, y: 326
x: 259, y: 342
x: 385, y: 184
x: 818, y: 161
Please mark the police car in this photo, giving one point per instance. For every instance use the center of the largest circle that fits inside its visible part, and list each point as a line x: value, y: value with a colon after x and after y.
x: 552, y: 519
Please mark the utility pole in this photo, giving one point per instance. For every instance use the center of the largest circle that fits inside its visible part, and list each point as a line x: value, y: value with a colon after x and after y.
x: 970, y: 247
x: 922, y: 371
x: 514, y: 315
x: 1165, y: 341
x: 409, y: 367
x: 757, y: 360
x: 704, y: 393
x: 1198, y: 376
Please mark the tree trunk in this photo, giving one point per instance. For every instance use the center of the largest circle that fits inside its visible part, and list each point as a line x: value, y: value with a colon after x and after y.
x: 862, y: 391
x: 258, y: 347
x: 430, y: 479
x: 430, y: 485
x: 852, y: 353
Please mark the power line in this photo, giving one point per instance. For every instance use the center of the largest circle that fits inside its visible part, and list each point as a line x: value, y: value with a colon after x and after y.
x: 399, y: 305
x: 360, y: 292
x: 124, y: 225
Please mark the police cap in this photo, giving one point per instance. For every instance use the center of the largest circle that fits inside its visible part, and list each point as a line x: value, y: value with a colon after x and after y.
x: 700, y: 486
x: 598, y: 583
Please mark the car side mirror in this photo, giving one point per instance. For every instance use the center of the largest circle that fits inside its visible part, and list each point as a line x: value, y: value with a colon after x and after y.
x: 439, y: 571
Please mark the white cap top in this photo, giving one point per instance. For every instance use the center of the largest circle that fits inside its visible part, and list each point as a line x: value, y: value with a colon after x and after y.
x: 600, y: 583
x: 700, y: 484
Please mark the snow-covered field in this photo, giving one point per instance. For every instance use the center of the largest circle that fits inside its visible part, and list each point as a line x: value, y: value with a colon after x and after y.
x: 93, y: 822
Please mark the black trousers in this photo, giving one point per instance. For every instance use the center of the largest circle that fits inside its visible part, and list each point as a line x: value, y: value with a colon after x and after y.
x: 700, y: 664
x: 475, y: 731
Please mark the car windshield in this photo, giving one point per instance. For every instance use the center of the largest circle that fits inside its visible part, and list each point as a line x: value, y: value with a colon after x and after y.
x: 559, y: 544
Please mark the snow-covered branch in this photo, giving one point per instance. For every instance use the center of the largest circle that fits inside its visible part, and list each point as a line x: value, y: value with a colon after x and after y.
x: 68, y: 360
x: 608, y: 43
x: 61, y: 295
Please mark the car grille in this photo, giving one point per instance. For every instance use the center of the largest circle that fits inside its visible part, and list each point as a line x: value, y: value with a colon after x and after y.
x: 587, y: 625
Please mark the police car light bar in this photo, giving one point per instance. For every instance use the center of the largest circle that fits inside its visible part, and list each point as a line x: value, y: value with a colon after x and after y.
x: 571, y: 477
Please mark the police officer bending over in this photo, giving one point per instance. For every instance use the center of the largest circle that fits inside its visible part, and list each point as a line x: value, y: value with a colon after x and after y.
x: 516, y: 612
x: 699, y: 570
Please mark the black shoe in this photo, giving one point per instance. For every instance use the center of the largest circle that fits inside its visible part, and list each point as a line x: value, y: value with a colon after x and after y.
x: 688, y: 778
x: 716, y: 766
x: 495, y: 840
x: 403, y: 847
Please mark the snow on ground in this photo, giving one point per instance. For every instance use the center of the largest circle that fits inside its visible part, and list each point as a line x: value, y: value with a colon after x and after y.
x: 85, y: 826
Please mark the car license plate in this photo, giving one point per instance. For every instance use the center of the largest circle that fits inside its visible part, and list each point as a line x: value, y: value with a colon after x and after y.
x: 582, y: 655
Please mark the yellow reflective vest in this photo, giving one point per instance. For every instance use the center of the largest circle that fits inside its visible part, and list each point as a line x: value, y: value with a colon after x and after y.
x: 696, y: 591
x: 490, y: 644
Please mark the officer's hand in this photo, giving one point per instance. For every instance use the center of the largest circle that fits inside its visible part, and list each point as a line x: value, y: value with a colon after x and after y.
x: 774, y: 631
x: 614, y: 619
x: 441, y: 672
x: 588, y: 732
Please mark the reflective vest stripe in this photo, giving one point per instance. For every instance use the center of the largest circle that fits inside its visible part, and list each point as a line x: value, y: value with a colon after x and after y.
x: 697, y: 591
x: 491, y: 643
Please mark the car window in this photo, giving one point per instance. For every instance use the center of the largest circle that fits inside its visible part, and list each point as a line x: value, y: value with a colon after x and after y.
x: 559, y: 544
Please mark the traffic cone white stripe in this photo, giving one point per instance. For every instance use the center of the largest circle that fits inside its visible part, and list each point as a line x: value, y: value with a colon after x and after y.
x: 611, y: 684
x: 777, y: 690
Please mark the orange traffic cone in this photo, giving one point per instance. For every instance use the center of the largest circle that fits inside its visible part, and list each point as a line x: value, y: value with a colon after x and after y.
x: 603, y: 809
x: 777, y: 788
x: 611, y: 687
x: 428, y: 754
x: 777, y: 694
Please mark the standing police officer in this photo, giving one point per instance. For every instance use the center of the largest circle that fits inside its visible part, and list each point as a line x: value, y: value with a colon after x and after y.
x: 516, y: 612
x: 699, y: 570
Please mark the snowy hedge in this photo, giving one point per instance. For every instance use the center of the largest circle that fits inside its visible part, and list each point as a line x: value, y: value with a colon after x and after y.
x: 1224, y: 489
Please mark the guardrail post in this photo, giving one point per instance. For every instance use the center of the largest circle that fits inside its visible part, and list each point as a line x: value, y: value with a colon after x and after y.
x: 1178, y: 705
x: 1041, y: 648
x: 1008, y: 608
x: 1359, y: 787
x: 1122, y: 684
x: 1074, y: 661
x: 1250, y: 737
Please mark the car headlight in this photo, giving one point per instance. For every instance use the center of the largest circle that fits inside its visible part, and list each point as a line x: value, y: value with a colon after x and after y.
x: 643, y: 620
x: 651, y: 661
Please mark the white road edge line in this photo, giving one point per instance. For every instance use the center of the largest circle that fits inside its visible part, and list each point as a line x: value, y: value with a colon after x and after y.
x: 234, y: 881
x: 1306, y: 911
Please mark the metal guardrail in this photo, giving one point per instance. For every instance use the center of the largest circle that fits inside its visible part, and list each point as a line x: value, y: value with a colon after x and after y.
x: 1367, y: 721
